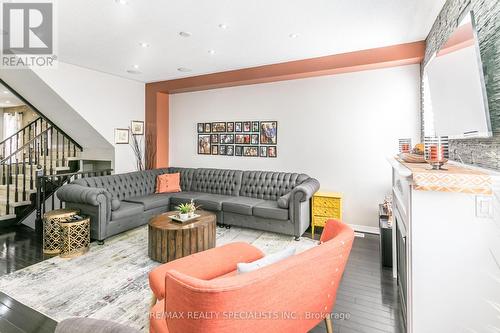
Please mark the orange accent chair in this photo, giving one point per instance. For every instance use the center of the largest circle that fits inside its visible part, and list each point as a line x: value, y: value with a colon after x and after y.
x: 204, y: 293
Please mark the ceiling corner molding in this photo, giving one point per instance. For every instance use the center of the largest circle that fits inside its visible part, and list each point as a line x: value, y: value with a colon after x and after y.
x: 389, y: 56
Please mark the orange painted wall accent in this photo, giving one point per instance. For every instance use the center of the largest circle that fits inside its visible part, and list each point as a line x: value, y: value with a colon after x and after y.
x: 157, y: 92
x: 157, y: 122
x: 463, y: 37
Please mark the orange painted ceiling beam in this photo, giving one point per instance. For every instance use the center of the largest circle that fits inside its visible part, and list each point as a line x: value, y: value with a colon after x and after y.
x: 390, y: 56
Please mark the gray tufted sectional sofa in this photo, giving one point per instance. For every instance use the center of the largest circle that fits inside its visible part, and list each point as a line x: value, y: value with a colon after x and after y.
x: 264, y: 200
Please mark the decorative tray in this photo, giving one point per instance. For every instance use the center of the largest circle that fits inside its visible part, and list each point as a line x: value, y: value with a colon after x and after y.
x: 412, y: 158
x: 176, y: 218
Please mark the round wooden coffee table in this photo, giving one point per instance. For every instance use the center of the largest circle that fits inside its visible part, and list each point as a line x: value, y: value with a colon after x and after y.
x: 170, y: 240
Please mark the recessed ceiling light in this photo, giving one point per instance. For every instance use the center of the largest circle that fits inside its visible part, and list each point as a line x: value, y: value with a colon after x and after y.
x: 184, y: 69
x: 7, y: 102
x: 293, y: 35
x: 5, y: 91
x: 134, y: 71
x: 223, y: 26
x: 122, y: 2
x: 185, y: 34
x: 136, y: 66
x: 211, y: 51
x: 144, y: 44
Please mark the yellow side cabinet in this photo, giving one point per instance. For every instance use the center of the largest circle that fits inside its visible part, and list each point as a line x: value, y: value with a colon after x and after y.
x: 325, y: 205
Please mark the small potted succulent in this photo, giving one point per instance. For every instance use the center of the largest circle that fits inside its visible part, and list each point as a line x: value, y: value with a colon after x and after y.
x: 184, y: 210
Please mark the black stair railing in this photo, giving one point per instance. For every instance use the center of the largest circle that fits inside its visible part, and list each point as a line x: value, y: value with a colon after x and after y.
x: 48, y: 149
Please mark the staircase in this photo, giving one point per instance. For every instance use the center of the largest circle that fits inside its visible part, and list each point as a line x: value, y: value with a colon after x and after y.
x: 38, y: 149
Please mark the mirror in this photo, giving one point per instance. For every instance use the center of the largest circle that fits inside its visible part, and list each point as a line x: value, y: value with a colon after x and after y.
x: 455, y: 103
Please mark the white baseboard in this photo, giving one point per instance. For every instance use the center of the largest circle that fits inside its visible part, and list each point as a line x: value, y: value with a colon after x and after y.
x: 365, y: 229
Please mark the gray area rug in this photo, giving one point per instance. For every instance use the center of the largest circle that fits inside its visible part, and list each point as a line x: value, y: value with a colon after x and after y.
x: 111, y: 281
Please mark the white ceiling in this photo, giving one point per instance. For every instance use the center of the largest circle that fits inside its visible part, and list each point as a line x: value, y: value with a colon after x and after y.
x: 104, y: 35
x: 8, y: 99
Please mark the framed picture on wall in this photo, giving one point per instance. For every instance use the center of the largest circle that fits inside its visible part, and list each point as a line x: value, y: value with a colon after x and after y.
x: 214, y: 138
x: 254, y: 139
x: 263, y: 151
x: 237, y: 126
x: 219, y: 127
x: 201, y: 127
x: 137, y: 127
x: 242, y: 138
x: 268, y: 132
x: 250, y: 151
x: 238, y: 151
x: 215, y: 150
x: 255, y: 126
x: 247, y: 126
x: 204, y: 144
x: 230, y: 127
x: 227, y: 138
x: 272, y: 151
x: 222, y: 150
x: 230, y: 150
x: 208, y: 127
x: 121, y: 136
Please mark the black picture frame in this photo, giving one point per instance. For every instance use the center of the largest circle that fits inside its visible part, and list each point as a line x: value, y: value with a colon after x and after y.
x: 238, y: 151
x: 263, y: 151
x: 242, y: 139
x: 137, y: 127
x: 238, y: 126
x: 227, y: 139
x: 203, y: 140
x: 214, y: 138
x: 254, y: 150
x: 201, y: 127
x: 254, y: 139
x: 255, y: 126
x: 230, y: 150
x: 264, y: 137
x: 269, y: 150
x: 230, y: 126
x: 219, y: 127
x: 208, y: 128
x: 222, y: 150
x: 215, y: 149
x: 247, y: 126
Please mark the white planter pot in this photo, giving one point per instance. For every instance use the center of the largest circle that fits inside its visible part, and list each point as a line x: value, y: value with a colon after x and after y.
x: 183, y: 216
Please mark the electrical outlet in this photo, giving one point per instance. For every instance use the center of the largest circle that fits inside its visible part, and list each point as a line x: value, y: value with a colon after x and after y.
x: 484, y: 207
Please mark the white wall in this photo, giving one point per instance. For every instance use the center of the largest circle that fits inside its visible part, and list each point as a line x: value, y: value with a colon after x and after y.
x: 105, y: 101
x: 338, y: 129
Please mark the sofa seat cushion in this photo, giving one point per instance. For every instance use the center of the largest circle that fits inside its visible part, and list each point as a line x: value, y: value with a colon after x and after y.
x: 183, y: 197
x: 152, y: 201
x: 213, y: 202
x: 127, y: 209
x: 269, y: 209
x: 241, y: 205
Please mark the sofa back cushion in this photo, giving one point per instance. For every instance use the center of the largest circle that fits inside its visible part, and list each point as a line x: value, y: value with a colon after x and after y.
x: 269, y: 185
x: 187, y: 176
x: 126, y: 185
x: 217, y: 181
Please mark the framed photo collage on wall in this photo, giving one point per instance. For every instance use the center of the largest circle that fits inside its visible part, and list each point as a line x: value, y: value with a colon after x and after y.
x: 238, y: 138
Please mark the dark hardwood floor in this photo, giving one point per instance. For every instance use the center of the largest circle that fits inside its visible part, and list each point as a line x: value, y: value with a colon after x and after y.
x: 367, y: 299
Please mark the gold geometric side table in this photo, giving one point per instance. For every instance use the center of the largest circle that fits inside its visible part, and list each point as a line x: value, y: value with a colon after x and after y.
x: 52, y: 229
x: 75, y: 236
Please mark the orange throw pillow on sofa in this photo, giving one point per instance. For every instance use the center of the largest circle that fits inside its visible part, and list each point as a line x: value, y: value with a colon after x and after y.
x: 168, y: 183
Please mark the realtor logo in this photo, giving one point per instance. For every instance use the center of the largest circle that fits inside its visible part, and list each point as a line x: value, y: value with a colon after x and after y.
x: 28, y: 34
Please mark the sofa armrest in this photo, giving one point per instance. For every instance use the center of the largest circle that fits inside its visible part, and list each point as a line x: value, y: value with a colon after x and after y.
x: 305, y: 191
x: 83, y: 195
x: 299, y: 209
x: 90, y: 325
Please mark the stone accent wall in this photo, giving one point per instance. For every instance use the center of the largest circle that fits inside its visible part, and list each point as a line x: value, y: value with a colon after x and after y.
x: 481, y: 152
